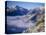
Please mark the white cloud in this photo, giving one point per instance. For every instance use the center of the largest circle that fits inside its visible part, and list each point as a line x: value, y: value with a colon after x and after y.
x: 13, y: 21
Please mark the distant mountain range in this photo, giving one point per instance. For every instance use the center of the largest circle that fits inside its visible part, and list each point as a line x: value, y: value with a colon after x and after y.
x: 18, y: 11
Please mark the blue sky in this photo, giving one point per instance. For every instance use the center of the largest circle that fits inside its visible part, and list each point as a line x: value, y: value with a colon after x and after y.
x: 27, y: 5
